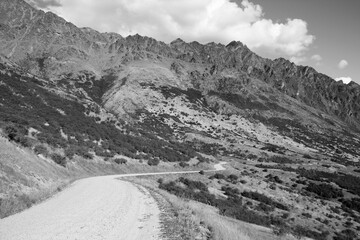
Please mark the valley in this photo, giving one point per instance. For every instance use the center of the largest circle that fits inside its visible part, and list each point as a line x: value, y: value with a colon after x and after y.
x: 76, y: 103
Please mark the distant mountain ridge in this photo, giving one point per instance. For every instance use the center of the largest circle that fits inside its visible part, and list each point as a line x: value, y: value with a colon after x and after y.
x: 51, y: 47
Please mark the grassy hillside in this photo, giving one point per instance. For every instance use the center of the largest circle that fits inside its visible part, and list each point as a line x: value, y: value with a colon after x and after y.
x: 26, y: 178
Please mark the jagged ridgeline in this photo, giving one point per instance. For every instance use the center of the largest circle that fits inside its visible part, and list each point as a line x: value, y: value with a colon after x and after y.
x: 49, y: 46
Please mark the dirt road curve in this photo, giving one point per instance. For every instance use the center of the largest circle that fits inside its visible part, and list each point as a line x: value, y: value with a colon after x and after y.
x: 91, y: 209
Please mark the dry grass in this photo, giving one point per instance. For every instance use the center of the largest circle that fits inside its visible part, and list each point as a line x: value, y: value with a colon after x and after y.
x: 195, y: 216
x: 21, y: 201
x: 27, y: 179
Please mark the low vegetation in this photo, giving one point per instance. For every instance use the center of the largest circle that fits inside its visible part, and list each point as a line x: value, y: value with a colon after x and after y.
x: 264, y: 199
x: 62, y: 122
x: 232, y: 206
x: 324, y: 190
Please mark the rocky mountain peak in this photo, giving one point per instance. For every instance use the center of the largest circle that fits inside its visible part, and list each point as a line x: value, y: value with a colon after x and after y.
x: 177, y: 41
x: 234, y: 45
x: 49, y: 46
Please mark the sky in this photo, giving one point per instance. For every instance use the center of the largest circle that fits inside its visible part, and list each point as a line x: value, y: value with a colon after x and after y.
x: 324, y: 34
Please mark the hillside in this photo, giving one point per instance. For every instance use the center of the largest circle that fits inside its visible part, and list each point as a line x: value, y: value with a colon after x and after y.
x: 94, y: 103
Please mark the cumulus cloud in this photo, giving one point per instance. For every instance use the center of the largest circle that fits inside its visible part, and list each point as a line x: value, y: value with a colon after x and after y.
x: 345, y: 80
x: 298, y: 59
x: 316, y: 58
x: 343, y: 64
x: 201, y: 20
x: 44, y: 4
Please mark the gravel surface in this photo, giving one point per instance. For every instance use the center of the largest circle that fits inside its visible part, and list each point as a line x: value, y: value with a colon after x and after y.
x: 92, y: 208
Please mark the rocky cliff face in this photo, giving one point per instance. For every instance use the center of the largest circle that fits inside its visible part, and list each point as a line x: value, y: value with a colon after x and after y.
x: 51, y: 47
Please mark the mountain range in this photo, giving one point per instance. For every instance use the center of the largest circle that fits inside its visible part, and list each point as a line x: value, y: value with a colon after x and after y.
x: 98, y: 94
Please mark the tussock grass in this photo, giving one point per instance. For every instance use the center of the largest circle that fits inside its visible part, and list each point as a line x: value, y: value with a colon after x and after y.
x: 27, y: 179
x: 220, y: 227
x: 195, y: 217
x: 21, y: 201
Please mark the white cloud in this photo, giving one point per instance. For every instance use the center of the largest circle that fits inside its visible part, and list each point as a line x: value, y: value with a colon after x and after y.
x: 316, y: 58
x: 345, y: 80
x: 298, y: 59
x: 343, y: 64
x: 44, y: 4
x: 201, y: 20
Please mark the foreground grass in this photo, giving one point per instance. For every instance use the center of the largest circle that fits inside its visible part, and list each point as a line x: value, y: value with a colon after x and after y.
x: 201, y: 221
x: 22, y: 201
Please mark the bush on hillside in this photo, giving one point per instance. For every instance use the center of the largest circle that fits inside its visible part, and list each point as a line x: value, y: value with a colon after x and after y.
x: 232, y: 178
x: 279, y: 159
x: 218, y: 176
x: 231, y: 207
x: 41, y: 149
x: 70, y: 152
x: 324, y: 190
x: 59, y: 159
x: 15, y: 132
x: 18, y: 134
x: 264, y: 199
x: 352, y: 203
x: 120, y: 160
x: 153, y: 162
x: 346, y: 181
x: 183, y: 164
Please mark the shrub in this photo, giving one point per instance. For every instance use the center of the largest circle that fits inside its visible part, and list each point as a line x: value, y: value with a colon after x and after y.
x: 70, y: 152
x: 15, y: 132
x: 120, y: 160
x: 307, y: 215
x: 233, y: 177
x: 347, y: 181
x: 183, y: 164
x: 41, y: 149
x: 83, y: 152
x: 25, y: 141
x: 264, y: 199
x: 274, y: 178
x: 194, y: 184
x: 230, y: 192
x: 231, y: 207
x: 346, y: 234
x: 281, y: 230
x: 218, y: 176
x: 88, y: 155
x: 300, y: 231
x: 353, y: 203
x: 265, y: 208
x: 59, y: 159
x: 280, y: 160
x: 324, y: 190
x: 153, y: 162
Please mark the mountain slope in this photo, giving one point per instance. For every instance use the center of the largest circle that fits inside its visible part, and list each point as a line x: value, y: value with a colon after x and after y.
x: 75, y: 95
x: 48, y: 45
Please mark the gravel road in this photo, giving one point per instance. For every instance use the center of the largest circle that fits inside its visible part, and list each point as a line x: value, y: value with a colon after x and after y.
x: 91, y: 209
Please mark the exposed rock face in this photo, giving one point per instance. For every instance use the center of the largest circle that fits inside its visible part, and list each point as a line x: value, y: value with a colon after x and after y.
x: 51, y: 47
